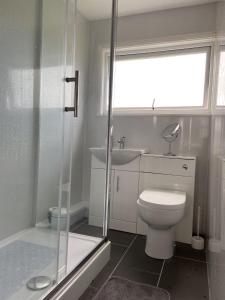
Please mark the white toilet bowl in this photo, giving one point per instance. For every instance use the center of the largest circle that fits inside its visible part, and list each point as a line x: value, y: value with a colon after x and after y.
x: 161, y: 210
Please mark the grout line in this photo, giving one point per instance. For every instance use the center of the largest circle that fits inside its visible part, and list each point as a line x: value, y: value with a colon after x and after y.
x: 124, y: 254
x: 92, y: 287
x: 118, y: 244
x: 208, y: 280
x: 188, y: 258
x: 145, y: 271
x: 160, y: 275
x: 114, y: 269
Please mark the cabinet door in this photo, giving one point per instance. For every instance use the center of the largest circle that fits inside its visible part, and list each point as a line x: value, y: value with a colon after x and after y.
x: 124, y: 204
x: 97, y: 193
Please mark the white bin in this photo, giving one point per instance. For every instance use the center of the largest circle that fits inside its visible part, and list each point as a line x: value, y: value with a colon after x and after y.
x: 77, y: 213
x: 53, y: 218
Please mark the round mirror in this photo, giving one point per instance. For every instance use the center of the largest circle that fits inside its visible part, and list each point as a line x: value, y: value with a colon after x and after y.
x: 170, y: 133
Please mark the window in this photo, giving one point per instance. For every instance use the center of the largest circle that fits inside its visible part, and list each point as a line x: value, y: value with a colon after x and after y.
x: 221, y: 79
x: 163, y: 80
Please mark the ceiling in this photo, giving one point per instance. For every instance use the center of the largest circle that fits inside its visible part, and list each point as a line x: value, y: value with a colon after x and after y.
x: 101, y: 9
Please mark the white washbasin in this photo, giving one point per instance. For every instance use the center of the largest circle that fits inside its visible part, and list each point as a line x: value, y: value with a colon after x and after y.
x: 119, y: 156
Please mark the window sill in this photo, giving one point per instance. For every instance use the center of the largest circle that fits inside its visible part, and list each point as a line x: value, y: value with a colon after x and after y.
x: 220, y: 110
x: 156, y: 112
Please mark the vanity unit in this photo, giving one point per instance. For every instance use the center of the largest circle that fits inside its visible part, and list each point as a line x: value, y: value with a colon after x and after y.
x: 124, y: 194
x: 146, y: 171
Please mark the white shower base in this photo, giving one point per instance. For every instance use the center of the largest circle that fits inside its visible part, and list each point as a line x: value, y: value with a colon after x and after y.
x: 79, y: 246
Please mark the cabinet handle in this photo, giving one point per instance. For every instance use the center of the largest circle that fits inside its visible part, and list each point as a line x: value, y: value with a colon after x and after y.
x: 117, y: 183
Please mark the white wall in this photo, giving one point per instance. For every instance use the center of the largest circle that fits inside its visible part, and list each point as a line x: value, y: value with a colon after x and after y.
x: 168, y: 23
x: 32, y: 117
x: 96, y: 126
x: 51, y: 107
x: 79, y: 124
x: 216, y: 213
x: 55, y: 126
x: 146, y: 131
x: 19, y: 25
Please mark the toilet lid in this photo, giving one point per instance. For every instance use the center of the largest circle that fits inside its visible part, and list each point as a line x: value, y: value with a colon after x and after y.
x: 163, y: 198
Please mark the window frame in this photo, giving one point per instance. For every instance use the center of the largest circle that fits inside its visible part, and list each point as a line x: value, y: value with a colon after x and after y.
x: 219, y: 47
x: 157, y: 50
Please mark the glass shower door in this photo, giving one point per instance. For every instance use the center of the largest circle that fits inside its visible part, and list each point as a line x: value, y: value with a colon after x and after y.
x: 47, y: 174
x: 89, y: 129
x: 71, y: 112
x: 60, y: 82
x: 50, y: 217
x: 32, y: 70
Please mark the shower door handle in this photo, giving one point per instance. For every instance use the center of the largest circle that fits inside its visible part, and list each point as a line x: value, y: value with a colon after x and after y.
x: 117, y: 184
x: 76, y: 81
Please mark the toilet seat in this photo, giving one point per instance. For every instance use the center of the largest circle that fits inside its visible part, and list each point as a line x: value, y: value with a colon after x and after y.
x: 162, y: 199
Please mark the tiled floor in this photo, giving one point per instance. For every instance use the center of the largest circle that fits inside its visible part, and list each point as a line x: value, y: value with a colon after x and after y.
x: 184, y: 276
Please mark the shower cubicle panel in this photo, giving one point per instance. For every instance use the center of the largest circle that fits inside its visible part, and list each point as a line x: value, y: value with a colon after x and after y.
x: 90, y: 128
x: 32, y: 66
x: 54, y: 71
x: 50, y: 187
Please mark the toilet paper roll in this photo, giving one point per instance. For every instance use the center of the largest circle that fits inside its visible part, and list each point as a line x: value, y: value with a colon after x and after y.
x: 197, y: 243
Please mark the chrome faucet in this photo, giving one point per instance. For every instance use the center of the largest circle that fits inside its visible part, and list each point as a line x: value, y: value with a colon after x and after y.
x: 121, y: 142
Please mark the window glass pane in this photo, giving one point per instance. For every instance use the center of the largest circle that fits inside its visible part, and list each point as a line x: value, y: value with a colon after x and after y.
x: 221, y: 80
x: 173, y: 81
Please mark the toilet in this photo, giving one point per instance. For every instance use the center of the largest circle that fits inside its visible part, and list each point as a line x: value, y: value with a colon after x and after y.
x: 161, y: 210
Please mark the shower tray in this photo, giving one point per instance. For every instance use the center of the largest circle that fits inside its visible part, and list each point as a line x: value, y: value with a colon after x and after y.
x: 31, y: 253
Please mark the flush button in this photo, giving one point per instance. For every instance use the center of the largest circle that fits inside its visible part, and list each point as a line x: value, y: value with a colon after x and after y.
x: 185, y: 167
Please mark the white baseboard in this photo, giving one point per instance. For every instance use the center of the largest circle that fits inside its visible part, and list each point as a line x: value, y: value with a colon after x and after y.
x: 114, y: 224
x: 122, y: 225
x: 95, y: 221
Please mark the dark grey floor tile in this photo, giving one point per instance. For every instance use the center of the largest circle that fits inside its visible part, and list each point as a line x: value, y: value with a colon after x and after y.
x: 116, y: 253
x: 90, y: 230
x: 120, y: 237
x: 103, y: 275
x: 185, y: 279
x: 88, y: 294
x: 137, y: 275
x: 136, y: 258
x: 117, y: 237
x: 76, y: 225
x: 186, y: 251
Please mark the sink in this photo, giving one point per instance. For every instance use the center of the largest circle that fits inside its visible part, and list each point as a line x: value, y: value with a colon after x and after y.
x: 119, y: 156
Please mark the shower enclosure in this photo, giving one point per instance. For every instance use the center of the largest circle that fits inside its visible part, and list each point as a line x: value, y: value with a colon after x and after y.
x: 51, y: 96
